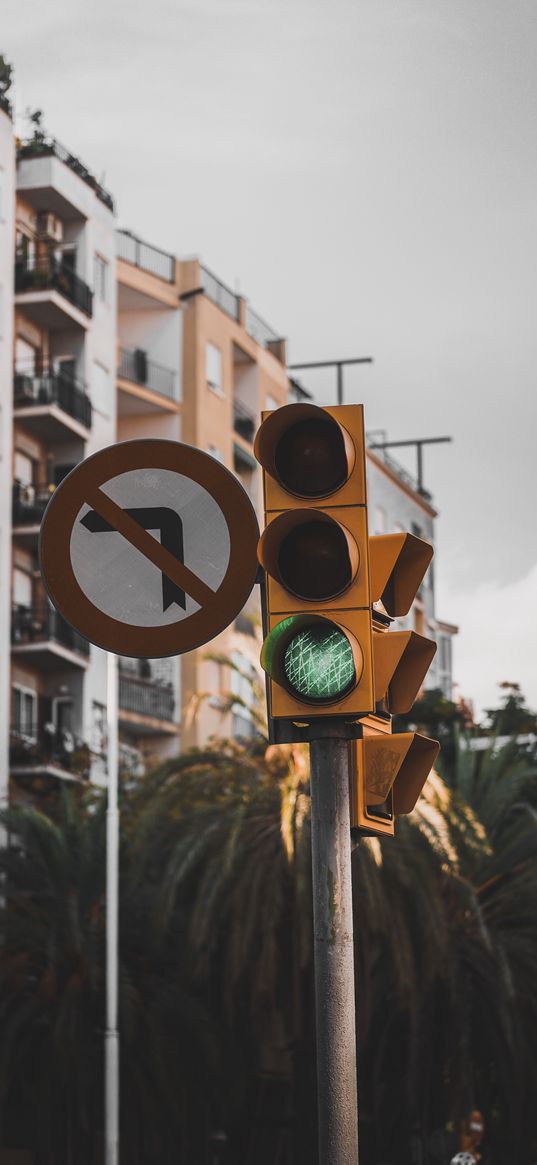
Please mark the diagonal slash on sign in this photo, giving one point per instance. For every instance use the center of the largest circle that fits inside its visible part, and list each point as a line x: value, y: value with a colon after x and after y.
x: 176, y: 571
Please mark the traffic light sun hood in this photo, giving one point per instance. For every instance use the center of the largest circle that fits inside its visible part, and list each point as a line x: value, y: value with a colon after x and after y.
x: 305, y: 450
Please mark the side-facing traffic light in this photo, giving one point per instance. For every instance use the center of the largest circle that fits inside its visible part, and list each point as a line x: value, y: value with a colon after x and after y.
x: 389, y: 771
x: 315, y: 554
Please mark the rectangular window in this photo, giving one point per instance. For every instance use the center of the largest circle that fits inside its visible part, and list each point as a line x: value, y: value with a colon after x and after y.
x: 24, y: 468
x: 213, y: 368
x: 24, y: 712
x: 100, y: 278
x: 445, y: 653
x: 22, y: 588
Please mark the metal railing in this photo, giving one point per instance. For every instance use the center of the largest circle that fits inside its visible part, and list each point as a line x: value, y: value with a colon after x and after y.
x: 243, y: 421
x: 41, y: 145
x: 258, y: 329
x: 407, y: 478
x: 5, y: 104
x: 49, y: 273
x: 148, y: 258
x: 36, y: 747
x: 52, y: 388
x: 145, y: 697
x: 136, y: 367
x: 29, y: 503
x: 41, y: 624
x: 221, y: 295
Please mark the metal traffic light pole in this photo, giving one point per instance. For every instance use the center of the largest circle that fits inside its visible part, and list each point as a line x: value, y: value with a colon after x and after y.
x: 111, y: 1044
x: 333, y: 948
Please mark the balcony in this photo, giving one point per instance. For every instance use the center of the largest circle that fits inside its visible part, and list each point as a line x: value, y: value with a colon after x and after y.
x: 43, y: 638
x: 146, y: 705
x: 47, y: 283
x: 46, y: 751
x: 219, y: 294
x: 29, y: 503
x: 244, y: 422
x: 53, y: 404
x: 148, y: 258
x: 260, y: 331
x: 43, y: 146
x: 135, y: 367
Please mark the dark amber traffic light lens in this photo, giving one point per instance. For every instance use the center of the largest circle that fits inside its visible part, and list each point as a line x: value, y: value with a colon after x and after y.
x: 310, y: 458
x: 314, y: 561
x: 319, y: 663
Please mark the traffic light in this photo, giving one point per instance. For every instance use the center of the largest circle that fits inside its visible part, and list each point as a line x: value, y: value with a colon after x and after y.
x: 388, y: 771
x: 314, y: 551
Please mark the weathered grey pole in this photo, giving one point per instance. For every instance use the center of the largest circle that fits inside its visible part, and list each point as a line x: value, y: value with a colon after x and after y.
x: 334, y: 955
x: 111, y: 1059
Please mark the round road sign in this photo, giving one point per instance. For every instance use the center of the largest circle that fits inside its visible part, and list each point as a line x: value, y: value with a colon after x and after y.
x: 149, y: 548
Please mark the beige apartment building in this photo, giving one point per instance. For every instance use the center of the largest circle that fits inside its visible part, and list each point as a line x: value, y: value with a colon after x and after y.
x: 106, y: 337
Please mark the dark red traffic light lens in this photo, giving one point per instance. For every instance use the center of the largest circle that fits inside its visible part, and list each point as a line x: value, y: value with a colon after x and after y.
x: 310, y: 458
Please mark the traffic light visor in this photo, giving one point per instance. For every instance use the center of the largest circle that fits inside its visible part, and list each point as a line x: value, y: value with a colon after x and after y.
x: 306, y: 450
x: 398, y: 563
x: 312, y: 555
x: 401, y: 662
x: 313, y: 658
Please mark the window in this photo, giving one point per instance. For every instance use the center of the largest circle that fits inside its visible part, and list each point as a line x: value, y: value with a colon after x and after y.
x: 100, y: 278
x: 98, y: 728
x: 445, y: 653
x: 213, y: 368
x: 380, y: 520
x: 242, y: 678
x: 25, y: 357
x: 24, y: 707
x: 24, y: 468
x: 102, y: 397
x: 22, y: 588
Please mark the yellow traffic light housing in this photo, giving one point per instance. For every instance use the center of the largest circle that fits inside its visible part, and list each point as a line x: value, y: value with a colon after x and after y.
x: 387, y: 775
x: 315, y: 554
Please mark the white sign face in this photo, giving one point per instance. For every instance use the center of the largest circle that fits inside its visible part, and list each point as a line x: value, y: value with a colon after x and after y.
x: 118, y: 579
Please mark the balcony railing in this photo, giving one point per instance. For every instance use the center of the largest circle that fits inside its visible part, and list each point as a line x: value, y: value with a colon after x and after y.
x: 143, y: 255
x: 38, y: 747
x: 52, y: 388
x: 259, y: 330
x: 146, y: 698
x: 243, y: 421
x: 30, y: 502
x: 221, y: 295
x: 35, y: 625
x: 48, y: 273
x: 5, y: 104
x: 136, y: 367
x: 41, y: 146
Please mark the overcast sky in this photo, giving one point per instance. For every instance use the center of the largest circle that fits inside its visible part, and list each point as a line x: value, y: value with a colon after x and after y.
x: 365, y: 172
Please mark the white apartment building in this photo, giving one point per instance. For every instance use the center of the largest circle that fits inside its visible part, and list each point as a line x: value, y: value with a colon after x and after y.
x: 7, y: 235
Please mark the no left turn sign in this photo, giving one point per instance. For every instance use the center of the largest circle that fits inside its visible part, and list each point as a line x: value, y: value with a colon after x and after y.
x: 149, y: 548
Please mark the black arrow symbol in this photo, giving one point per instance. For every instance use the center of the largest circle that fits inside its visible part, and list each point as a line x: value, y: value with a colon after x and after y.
x: 170, y: 526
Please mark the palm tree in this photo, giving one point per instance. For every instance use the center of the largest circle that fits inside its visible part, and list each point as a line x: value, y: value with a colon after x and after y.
x: 52, y: 1004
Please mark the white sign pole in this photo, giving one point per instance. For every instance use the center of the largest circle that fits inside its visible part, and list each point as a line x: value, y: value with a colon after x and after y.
x: 111, y: 1084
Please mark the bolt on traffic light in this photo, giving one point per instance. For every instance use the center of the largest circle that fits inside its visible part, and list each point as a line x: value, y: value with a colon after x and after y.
x: 315, y: 553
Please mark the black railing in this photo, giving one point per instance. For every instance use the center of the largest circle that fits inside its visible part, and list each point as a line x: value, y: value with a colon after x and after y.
x: 243, y: 421
x: 37, y: 747
x: 143, y: 255
x: 221, y: 295
x: 406, y: 477
x: 42, y: 624
x: 29, y: 503
x: 52, y: 388
x: 41, y: 146
x: 259, y: 330
x: 136, y: 367
x: 5, y: 104
x: 49, y: 273
x: 146, y: 698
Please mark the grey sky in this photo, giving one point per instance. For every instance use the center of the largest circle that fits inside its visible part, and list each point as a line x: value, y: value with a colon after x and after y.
x: 367, y: 170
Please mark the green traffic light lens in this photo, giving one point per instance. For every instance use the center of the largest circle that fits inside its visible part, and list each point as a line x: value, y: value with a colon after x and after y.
x: 319, y: 663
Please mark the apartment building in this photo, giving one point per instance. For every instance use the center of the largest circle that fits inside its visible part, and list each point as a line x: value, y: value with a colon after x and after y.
x: 7, y: 232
